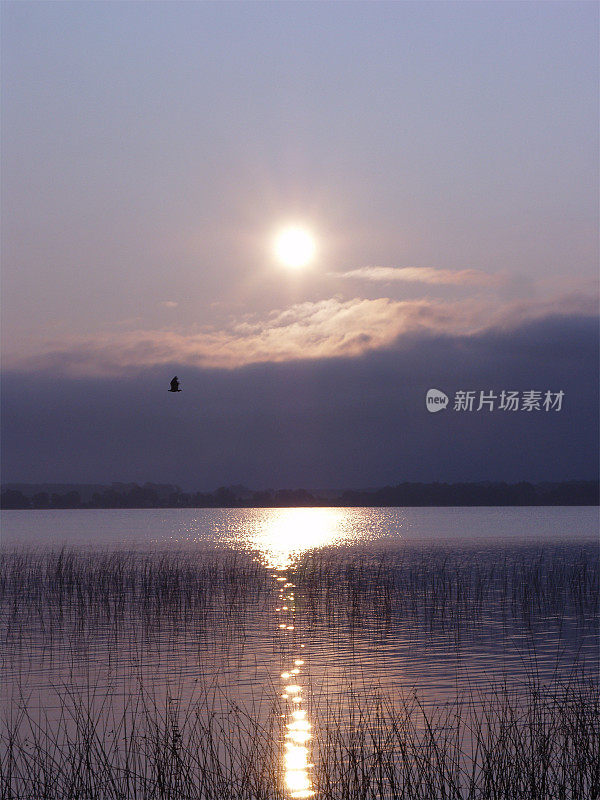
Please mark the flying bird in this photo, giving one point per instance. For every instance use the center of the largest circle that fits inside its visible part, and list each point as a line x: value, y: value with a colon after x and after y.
x: 175, y: 385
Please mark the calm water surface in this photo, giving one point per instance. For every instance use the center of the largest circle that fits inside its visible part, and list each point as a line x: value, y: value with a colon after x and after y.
x: 483, y: 610
x: 295, y: 530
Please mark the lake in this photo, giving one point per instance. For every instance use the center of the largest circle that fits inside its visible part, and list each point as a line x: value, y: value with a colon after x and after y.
x: 328, y: 652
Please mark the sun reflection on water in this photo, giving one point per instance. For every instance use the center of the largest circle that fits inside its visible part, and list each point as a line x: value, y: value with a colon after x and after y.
x: 296, y: 754
x: 289, y: 532
x: 278, y: 538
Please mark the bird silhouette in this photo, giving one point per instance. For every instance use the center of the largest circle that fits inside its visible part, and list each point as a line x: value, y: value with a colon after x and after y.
x: 175, y: 385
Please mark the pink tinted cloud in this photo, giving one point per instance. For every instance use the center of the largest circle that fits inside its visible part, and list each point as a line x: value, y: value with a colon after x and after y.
x: 330, y: 328
x: 429, y: 275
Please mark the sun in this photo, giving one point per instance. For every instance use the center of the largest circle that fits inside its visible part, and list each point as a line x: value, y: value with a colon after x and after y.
x: 294, y: 247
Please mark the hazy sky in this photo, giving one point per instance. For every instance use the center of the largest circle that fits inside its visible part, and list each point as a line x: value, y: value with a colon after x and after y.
x: 443, y: 155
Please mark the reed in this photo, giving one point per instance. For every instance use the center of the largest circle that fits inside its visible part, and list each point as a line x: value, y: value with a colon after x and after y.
x: 136, y: 736
x: 428, y: 582
x: 542, y: 744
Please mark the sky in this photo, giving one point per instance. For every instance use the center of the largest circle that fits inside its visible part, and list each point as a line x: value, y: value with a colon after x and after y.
x: 444, y: 158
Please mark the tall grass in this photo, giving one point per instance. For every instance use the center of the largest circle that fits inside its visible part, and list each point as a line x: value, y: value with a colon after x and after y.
x: 94, y: 738
x: 544, y: 744
x: 93, y: 587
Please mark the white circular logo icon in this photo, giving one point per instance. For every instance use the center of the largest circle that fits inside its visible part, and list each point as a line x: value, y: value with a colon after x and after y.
x: 435, y: 400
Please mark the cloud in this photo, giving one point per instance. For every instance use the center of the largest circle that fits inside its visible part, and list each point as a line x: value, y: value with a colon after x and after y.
x: 443, y: 277
x: 329, y: 328
x: 329, y: 423
x: 323, y: 329
x: 169, y: 303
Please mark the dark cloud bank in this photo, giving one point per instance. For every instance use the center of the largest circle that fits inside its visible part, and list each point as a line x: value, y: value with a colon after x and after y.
x: 357, y: 422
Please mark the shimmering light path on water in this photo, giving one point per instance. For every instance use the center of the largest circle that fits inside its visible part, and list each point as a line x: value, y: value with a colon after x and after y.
x: 288, y: 534
x: 280, y: 543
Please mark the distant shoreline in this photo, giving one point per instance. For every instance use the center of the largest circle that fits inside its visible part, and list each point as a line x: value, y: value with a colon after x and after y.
x: 131, y: 495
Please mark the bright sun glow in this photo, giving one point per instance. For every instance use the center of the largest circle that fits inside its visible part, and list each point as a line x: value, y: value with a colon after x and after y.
x: 294, y: 247
x: 288, y: 532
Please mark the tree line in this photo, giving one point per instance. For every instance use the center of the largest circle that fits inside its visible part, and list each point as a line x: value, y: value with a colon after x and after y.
x: 403, y: 494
